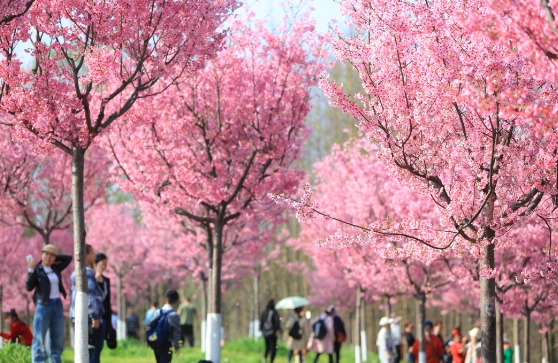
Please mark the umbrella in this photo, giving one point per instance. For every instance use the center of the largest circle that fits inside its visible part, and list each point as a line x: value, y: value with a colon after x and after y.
x: 292, y: 302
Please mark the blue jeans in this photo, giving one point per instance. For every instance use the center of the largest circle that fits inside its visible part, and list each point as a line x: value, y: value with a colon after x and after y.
x: 48, y: 318
x: 411, y: 358
x: 98, y: 342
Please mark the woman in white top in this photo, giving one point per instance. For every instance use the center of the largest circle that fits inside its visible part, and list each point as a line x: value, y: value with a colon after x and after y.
x: 46, y: 279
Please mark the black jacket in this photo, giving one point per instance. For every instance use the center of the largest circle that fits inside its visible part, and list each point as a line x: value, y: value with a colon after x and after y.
x: 39, y: 281
x: 106, y: 302
x: 274, y: 317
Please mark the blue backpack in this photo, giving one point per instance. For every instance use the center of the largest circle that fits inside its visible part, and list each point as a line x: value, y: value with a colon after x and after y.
x: 320, y: 329
x: 158, y: 332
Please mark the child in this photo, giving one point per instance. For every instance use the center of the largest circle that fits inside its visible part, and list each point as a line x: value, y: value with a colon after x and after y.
x: 164, y: 354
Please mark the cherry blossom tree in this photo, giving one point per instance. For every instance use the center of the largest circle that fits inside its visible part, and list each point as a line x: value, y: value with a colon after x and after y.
x: 231, y: 133
x: 92, y: 61
x: 36, y: 189
x: 456, y: 118
x: 12, y: 9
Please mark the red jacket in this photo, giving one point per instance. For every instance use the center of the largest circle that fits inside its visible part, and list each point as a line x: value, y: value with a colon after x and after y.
x: 433, y: 348
x: 19, y: 333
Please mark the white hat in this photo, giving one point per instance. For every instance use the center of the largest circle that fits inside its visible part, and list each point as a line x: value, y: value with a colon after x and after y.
x: 475, y: 332
x: 385, y: 321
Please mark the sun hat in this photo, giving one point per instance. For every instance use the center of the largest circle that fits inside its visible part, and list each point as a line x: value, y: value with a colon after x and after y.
x: 455, y: 332
x: 50, y: 249
x: 385, y: 321
x: 330, y: 309
x: 506, y: 340
x: 474, y: 332
x: 428, y: 323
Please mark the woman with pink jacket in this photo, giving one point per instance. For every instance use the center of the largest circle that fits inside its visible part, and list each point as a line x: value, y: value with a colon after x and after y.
x: 325, y: 344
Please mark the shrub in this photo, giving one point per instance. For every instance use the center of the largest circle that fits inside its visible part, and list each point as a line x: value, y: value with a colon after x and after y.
x: 15, y: 353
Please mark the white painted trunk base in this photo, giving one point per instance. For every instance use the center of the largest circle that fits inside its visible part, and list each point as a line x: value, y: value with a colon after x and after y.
x: 544, y: 360
x: 213, y: 349
x: 1, y: 343
x: 203, y: 336
x: 251, y: 329
x: 121, y: 329
x: 358, y: 351
x: 422, y: 357
x: 81, y: 352
x: 256, y: 329
x: 72, y: 336
x: 364, y: 346
x: 517, y: 354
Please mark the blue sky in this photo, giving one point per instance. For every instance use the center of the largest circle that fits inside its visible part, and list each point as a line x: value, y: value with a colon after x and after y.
x: 325, y: 11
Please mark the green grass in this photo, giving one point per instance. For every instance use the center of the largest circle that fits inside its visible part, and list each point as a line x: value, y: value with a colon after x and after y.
x: 243, y: 350
x: 15, y: 353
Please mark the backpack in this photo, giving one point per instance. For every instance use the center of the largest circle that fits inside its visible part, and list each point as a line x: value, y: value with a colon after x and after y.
x: 295, y: 331
x: 320, y: 330
x: 158, y: 332
x: 268, y: 329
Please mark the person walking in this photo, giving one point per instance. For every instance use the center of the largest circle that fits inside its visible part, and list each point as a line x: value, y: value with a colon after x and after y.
x: 299, y: 334
x: 384, y: 341
x: 19, y: 331
x: 458, y: 349
x: 96, y: 308
x: 46, y: 279
x: 132, y: 324
x: 168, y: 311
x: 508, y: 351
x: 410, y: 338
x: 270, y: 326
x: 433, y: 347
x: 323, y: 344
x: 397, y: 338
x: 474, y: 346
x: 149, y: 314
x: 186, y: 311
x: 101, y: 262
x: 340, y: 333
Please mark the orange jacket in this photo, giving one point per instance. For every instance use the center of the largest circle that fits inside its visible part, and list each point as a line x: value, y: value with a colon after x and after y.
x: 433, y: 348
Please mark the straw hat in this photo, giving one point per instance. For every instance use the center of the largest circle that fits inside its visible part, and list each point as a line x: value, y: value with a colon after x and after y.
x: 385, y: 321
x: 50, y: 249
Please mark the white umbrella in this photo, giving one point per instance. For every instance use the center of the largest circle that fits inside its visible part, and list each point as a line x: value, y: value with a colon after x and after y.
x: 292, y: 302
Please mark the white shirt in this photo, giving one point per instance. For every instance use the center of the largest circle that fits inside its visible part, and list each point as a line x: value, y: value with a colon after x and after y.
x: 53, y: 278
x: 396, y: 333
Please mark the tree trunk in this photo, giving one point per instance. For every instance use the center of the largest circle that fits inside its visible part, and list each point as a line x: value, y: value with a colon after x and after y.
x: 544, y: 343
x: 488, y: 309
x: 499, y: 334
x: 363, y: 338
x: 203, y: 315
x: 526, y: 336
x: 358, y: 352
x: 517, y: 353
x: 421, y: 302
x: 81, y: 353
x: 121, y: 324
x: 387, y: 305
x: 256, y: 306
x: 213, y: 352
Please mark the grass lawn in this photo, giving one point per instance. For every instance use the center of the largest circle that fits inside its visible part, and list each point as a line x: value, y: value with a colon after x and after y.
x: 242, y: 350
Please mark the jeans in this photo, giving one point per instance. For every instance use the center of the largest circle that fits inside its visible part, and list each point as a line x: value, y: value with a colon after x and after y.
x: 98, y: 340
x: 187, y: 334
x: 163, y: 355
x: 48, y: 318
x: 411, y: 358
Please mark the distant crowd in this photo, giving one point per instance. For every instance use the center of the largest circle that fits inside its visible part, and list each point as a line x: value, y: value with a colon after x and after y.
x: 323, y: 335
x: 455, y: 348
